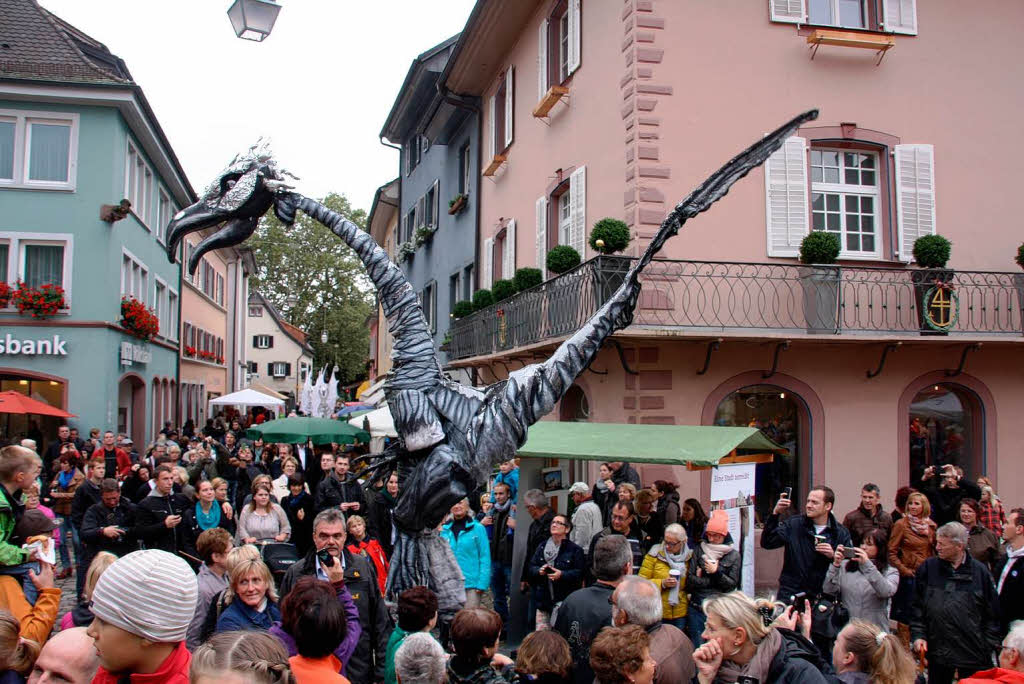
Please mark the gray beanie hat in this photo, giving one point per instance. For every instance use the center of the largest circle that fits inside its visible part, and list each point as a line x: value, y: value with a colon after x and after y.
x: 150, y: 593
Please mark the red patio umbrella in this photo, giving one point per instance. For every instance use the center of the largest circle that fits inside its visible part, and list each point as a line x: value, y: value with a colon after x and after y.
x: 16, y: 402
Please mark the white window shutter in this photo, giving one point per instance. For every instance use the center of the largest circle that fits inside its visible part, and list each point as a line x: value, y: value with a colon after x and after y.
x: 915, y: 195
x: 789, y: 11
x: 509, y: 102
x: 488, y: 262
x: 542, y: 235
x: 542, y: 59
x: 900, y: 16
x: 435, y: 220
x: 492, y: 114
x: 786, y: 202
x: 578, y: 210
x: 574, y: 36
x: 508, y: 258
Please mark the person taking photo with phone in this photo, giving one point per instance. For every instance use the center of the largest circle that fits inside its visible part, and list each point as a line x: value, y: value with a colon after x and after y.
x: 863, y: 579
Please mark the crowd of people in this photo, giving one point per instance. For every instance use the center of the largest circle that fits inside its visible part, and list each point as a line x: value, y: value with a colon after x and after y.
x: 208, y: 556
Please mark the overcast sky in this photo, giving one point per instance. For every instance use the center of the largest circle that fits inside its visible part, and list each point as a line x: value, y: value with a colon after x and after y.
x: 319, y: 87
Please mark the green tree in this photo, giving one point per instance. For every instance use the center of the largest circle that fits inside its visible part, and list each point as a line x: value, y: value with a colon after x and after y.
x: 316, y: 281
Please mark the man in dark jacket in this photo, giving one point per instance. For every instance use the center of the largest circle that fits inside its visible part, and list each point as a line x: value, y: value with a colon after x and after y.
x: 1009, y: 571
x: 159, y: 515
x: 622, y: 517
x: 502, y: 526
x: 955, y: 623
x: 108, y: 525
x: 945, y: 490
x: 53, y: 452
x: 586, y: 611
x: 810, y: 541
x: 623, y: 472
x: 367, y: 661
x: 87, y: 494
x: 868, y: 516
x: 341, y: 490
x: 540, y: 529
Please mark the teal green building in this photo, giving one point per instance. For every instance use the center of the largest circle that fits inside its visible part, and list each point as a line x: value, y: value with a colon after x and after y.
x: 77, y: 137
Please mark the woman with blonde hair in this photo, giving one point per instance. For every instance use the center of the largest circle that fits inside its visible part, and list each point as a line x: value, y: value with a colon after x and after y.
x: 241, y: 657
x: 289, y: 466
x: 864, y: 653
x: 911, y: 543
x: 262, y: 519
x: 741, y: 641
x: 251, y: 598
x: 81, y: 615
x: 17, y: 655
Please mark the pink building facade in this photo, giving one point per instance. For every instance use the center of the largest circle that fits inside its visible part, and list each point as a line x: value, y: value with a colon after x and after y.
x: 914, y: 137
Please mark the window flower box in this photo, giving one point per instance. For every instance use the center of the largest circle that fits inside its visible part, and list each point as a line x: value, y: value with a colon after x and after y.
x: 39, y: 302
x: 5, y: 295
x: 137, y: 319
x: 424, y: 234
x: 457, y: 204
x: 190, y: 352
x: 406, y: 251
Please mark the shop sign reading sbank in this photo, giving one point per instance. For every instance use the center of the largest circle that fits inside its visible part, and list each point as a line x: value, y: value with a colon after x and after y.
x: 134, y: 353
x: 51, y: 346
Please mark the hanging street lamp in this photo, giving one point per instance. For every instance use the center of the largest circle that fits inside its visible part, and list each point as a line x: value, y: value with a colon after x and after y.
x: 253, y: 19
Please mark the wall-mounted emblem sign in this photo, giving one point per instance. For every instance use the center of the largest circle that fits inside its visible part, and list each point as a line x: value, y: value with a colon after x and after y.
x: 941, y: 307
x: 48, y: 346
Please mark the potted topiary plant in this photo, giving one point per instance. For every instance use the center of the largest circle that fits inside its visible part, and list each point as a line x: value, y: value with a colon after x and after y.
x: 462, y: 309
x: 525, y: 278
x: 482, y: 299
x: 607, y: 237
x: 563, y: 294
x: 819, y: 280
x: 503, y: 289
x: 931, y: 252
x: 562, y: 258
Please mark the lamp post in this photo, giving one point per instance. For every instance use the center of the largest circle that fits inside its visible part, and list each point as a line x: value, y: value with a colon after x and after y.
x: 253, y: 19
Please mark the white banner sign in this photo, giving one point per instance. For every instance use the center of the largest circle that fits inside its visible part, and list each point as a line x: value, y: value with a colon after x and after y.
x: 732, y: 481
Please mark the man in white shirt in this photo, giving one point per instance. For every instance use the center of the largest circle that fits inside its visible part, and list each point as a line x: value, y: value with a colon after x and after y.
x: 586, y: 519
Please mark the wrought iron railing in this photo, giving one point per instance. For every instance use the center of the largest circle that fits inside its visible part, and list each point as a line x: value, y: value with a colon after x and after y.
x: 709, y: 296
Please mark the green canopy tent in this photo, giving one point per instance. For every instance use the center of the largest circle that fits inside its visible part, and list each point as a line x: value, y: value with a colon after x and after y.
x: 696, y: 446
x: 298, y: 429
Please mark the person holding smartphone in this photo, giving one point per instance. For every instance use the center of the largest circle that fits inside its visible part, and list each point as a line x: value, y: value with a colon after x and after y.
x: 810, y: 541
x: 863, y: 579
x: 945, y: 488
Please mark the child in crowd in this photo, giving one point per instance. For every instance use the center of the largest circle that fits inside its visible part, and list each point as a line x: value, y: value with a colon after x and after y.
x: 19, y: 468
x: 142, y: 605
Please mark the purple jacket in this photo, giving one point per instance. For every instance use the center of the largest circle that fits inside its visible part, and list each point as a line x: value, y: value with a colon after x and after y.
x: 348, y: 644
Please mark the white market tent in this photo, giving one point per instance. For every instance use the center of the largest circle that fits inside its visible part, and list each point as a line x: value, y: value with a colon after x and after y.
x: 247, y: 397
x: 380, y: 425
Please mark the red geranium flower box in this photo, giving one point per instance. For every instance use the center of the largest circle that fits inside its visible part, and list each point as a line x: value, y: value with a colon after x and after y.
x: 137, y: 319
x: 41, y: 302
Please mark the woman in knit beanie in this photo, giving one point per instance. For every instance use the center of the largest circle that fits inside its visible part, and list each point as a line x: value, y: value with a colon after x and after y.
x: 142, y: 605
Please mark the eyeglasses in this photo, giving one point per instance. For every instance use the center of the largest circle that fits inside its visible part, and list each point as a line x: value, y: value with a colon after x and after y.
x: 621, y: 517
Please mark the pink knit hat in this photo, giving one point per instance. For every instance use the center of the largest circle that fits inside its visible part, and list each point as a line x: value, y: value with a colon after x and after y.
x: 718, y: 523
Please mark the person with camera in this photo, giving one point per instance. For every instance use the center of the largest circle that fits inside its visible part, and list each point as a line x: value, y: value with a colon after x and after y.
x: 108, y: 526
x: 946, y: 488
x: 556, y: 570
x: 863, y: 579
x: 810, y: 541
x: 329, y: 534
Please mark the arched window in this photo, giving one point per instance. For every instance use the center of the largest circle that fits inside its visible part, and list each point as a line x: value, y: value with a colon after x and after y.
x: 782, y: 417
x: 574, y: 407
x: 946, y: 423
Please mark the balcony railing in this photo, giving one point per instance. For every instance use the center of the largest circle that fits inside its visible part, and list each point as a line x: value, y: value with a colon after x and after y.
x: 717, y: 296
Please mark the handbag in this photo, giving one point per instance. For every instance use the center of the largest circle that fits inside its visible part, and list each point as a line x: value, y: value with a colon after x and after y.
x: 828, y: 616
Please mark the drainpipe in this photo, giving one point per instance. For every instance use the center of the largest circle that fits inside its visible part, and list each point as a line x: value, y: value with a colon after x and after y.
x: 400, y: 183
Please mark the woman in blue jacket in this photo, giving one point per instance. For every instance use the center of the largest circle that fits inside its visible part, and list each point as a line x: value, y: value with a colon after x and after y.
x: 556, y: 570
x: 468, y: 539
x: 251, y: 598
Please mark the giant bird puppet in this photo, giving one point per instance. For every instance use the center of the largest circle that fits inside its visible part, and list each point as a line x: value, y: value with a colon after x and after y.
x: 450, y: 436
